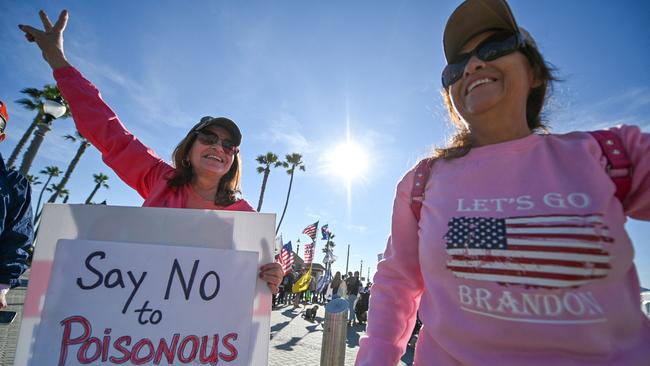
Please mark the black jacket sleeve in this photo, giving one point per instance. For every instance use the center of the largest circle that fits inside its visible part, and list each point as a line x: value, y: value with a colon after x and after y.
x: 17, y: 227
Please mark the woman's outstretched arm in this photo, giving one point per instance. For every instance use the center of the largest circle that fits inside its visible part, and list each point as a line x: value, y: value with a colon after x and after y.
x: 136, y: 164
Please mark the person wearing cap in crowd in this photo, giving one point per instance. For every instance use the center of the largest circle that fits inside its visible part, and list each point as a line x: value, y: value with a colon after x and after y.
x: 16, y: 229
x: 511, y: 245
x: 206, y: 168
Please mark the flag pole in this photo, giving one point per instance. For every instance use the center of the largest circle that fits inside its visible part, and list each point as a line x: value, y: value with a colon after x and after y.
x: 347, y: 260
x: 327, y: 250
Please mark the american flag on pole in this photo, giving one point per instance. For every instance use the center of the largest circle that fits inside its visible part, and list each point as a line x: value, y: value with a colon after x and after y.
x: 325, y: 232
x: 286, y: 258
x: 553, y: 251
x: 309, y: 252
x: 311, y: 230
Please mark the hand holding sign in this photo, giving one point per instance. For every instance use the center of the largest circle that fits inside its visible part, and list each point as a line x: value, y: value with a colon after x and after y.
x: 272, y: 274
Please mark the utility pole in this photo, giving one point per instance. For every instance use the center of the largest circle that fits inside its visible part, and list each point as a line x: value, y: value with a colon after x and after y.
x: 361, y: 269
x: 347, y: 260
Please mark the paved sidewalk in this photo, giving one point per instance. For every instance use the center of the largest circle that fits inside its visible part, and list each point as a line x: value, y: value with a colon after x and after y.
x: 297, y: 342
x: 9, y: 332
x: 294, y: 340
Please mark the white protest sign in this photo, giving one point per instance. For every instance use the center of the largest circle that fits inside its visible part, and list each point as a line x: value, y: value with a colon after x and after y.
x: 167, y: 232
x: 138, y: 303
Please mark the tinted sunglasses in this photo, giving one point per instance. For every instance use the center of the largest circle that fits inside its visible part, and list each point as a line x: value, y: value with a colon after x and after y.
x: 493, y: 47
x: 209, y: 138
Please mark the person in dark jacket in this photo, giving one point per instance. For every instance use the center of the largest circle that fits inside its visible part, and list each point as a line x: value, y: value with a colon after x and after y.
x: 16, y: 229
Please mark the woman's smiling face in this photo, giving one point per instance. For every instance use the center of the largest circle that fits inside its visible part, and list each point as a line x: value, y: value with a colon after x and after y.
x: 211, y: 161
x: 501, y: 83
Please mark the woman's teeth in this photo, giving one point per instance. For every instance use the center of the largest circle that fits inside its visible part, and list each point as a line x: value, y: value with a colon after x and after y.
x: 214, y: 157
x: 477, y: 83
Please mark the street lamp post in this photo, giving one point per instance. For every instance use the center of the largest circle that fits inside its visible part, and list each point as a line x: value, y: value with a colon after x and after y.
x: 51, y: 111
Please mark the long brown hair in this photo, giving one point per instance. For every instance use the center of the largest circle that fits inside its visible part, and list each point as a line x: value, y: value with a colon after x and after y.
x: 461, y: 142
x: 228, y: 191
x: 336, y: 281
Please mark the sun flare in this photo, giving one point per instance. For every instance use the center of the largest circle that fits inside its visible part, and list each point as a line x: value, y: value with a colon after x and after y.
x: 348, y: 160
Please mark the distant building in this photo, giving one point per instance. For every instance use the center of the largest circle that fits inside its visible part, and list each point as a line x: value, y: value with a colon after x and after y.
x: 645, y: 301
x: 317, y: 269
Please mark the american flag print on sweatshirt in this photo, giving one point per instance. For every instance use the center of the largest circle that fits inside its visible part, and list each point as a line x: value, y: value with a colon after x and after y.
x: 552, y: 251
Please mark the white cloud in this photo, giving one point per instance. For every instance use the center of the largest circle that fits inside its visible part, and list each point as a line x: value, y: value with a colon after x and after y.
x: 285, y: 130
x: 632, y: 106
x: 357, y: 228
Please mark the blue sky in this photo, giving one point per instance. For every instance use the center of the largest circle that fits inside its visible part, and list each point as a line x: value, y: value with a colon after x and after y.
x: 295, y: 74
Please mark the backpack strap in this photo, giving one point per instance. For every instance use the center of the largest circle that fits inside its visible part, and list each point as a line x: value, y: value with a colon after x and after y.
x: 422, y: 172
x: 619, y: 165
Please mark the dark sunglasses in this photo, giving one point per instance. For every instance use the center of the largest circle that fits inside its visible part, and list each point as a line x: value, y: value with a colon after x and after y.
x: 209, y: 138
x: 493, y: 47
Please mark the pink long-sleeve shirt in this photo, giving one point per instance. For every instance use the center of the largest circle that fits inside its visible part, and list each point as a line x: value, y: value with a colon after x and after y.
x: 520, y: 258
x: 136, y: 164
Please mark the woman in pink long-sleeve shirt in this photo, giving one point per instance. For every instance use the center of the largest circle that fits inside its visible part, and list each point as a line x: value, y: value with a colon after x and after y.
x: 206, y: 171
x: 517, y: 253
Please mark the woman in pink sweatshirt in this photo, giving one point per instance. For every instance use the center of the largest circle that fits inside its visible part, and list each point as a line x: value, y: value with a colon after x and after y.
x: 511, y: 245
x: 206, y: 172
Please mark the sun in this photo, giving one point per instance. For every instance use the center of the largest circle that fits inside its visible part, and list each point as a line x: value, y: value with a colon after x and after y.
x: 348, y: 160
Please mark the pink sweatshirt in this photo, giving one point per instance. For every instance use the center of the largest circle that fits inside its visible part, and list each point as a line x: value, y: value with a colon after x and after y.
x: 520, y: 258
x: 135, y: 163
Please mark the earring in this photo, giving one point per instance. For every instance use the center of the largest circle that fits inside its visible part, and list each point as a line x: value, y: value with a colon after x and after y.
x: 185, y: 163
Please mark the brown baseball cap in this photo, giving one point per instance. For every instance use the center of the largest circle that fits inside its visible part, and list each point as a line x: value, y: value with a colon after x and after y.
x: 223, y: 122
x: 473, y: 17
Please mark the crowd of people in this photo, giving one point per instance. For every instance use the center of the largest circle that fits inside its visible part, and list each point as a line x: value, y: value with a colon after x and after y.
x: 507, y: 246
x: 349, y: 287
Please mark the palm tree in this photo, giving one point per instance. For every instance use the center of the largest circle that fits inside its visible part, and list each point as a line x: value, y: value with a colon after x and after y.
x: 100, y: 181
x: 65, y: 194
x: 83, y: 144
x: 50, y: 171
x: 266, y: 161
x: 293, y: 161
x: 33, y: 180
x: 328, y: 245
x: 34, y: 103
x: 52, y: 188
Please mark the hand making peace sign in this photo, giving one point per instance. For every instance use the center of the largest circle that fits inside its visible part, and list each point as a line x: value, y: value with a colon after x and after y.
x: 50, y: 40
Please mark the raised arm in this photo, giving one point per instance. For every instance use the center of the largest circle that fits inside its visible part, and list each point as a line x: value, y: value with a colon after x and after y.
x: 135, y: 163
x: 50, y: 39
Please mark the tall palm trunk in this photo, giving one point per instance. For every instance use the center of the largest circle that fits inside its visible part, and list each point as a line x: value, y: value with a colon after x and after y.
x: 264, y: 179
x: 23, y: 140
x: 40, y: 197
x: 43, y: 128
x: 286, y: 203
x: 92, y: 194
x: 68, y: 172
